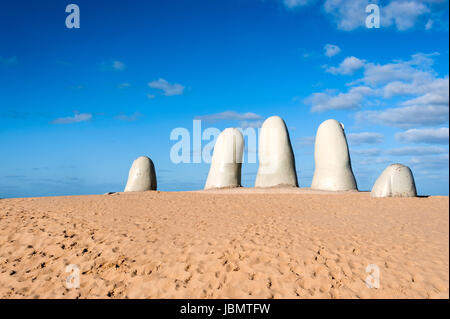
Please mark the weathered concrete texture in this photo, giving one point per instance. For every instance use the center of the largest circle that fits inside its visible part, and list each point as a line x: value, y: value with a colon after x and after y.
x: 226, y: 163
x: 276, y: 158
x: 396, y: 180
x: 142, y: 176
x: 333, y: 169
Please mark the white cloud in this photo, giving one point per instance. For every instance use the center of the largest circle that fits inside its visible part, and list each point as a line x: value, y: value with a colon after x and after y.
x: 422, y: 97
x: 129, y: 118
x: 430, y: 162
x: 396, y: 88
x: 119, y: 66
x: 113, y: 66
x: 417, y: 69
x: 434, y: 92
x: 150, y: 96
x: 167, y: 88
x: 407, y: 116
x: 251, y: 124
x: 372, y: 161
x: 305, y: 54
x: 349, y: 66
x: 402, y: 14
x: 331, y: 50
x: 432, y: 136
x: 124, y: 85
x: 348, y: 14
x: 376, y: 74
x: 430, y: 106
x: 306, y: 140
x: 366, y: 152
x: 325, y: 101
x: 401, y: 151
x: 365, y: 138
x: 290, y: 4
x: 429, y: 99
x: 82, y: 117
x: 417, y: 150
x: 229, y: 115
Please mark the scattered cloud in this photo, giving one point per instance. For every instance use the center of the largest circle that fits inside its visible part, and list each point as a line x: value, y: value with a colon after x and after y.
x: 150, y: 96
x: 365, y: 138
x: 290, y: 4
x: 331, y: 50
x: 416, y: 150
x: 167, y: 88
x: 422, y: 98
x: 400, y: 14
x: 372, y: 161
x: 434, y: 93
x: 229, y: 115
x: 348, y: 14
x: 347, y: 67
x: 119, y: 66
x: 124, y: 85
x: 251, y: 124
x: 401, y: 151
x: 329, y: 100
x: 367, y: 152
x: 436, y: 88
x: 113, y: 66
x: 430, y: 162
x: 305, y: 54
x: 306, y: 140
x: 432, y: 136
x: 416, y: 70
x: 429, y: 107
x: 405, y: 117
x: 247, y: 120
x: 78, y: 117
x: 129, y: 118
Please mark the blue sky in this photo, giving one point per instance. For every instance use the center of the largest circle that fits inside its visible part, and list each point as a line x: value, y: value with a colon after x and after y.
x: 77, y: 106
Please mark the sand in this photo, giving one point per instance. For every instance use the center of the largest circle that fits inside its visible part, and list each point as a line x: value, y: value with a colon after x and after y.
x: 244, y: 243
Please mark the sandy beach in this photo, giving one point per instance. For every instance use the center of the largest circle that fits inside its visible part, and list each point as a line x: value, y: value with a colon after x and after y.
x: 240, y: 243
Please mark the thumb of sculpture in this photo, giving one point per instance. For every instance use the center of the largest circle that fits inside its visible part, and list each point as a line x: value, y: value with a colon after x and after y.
x: 396, y: 180
x: 142, y: 176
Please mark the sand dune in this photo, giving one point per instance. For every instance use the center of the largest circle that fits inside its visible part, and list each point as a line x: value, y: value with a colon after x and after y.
x: 227, y: 243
